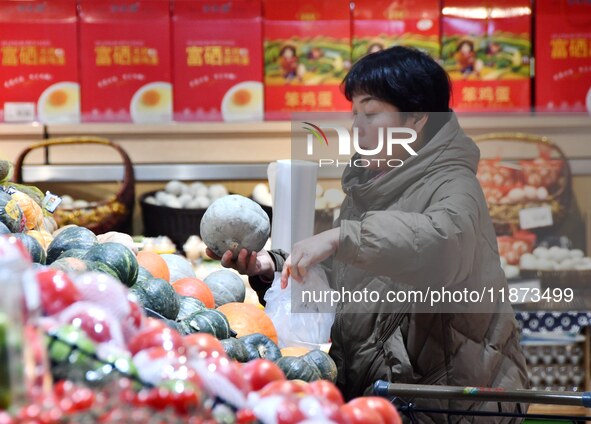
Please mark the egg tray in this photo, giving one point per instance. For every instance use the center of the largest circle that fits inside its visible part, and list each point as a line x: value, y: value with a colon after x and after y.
x: 559, y: 196
x: 112, y: 214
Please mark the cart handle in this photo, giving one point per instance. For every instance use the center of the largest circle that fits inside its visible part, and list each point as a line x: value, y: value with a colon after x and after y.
x: 385, y: 388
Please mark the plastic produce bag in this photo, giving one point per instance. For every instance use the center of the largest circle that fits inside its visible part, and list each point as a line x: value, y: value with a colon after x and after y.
x: 311, y: 321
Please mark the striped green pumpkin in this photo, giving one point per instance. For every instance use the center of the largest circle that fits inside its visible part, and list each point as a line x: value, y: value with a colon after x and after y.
x: 70, y: 238
x: 209, y: 321
x: 117, y: 257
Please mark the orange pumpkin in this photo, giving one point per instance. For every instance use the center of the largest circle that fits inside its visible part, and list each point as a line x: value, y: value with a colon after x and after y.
x: 245, y: 319
x: 154, y: 263
x: 43, y: 237
x: 194, y: 287
x: 294, y: 351
x: 32, y: 211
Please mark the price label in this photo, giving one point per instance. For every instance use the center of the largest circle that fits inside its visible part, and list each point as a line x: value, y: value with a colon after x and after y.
x: 19, y: 112
x: 535, y: 217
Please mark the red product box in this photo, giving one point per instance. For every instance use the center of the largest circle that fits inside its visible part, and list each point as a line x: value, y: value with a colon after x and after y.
x: 38, y: 61
x: 563, y: 55
x: 379, y: 24
x: 218, y: 69
x: 486, y: 51
x: 307, y: 55
x: 125, y: 61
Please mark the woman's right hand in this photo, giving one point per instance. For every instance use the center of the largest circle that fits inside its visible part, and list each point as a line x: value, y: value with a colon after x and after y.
x: 251, y: 264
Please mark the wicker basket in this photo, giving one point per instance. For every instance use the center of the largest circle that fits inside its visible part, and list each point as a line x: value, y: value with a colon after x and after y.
x: 559, y: 196
x: 112, y: 214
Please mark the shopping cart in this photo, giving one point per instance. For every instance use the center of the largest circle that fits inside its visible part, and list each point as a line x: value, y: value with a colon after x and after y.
x: 397, y: 393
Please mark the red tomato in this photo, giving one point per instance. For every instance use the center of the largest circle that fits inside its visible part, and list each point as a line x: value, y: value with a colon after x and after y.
x: 229, y: 369
x: 379, y: 405
x: 205, y: 345
x: 358, y: 414
x: 166, y: 338
x: 286, y: 387
x: 93, y: 323
x: 57, y: 290
x: 260, y: 372
x: 326, y: 390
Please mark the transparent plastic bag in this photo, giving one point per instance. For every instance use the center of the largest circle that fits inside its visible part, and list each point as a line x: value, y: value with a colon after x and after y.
x: 312, y: 319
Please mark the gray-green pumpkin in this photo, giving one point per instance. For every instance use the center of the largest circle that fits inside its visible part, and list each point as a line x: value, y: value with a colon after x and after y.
x: 234, y: 223
x: 226, y: 287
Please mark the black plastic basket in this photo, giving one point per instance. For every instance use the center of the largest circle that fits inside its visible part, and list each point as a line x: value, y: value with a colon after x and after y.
x: 175, y: 223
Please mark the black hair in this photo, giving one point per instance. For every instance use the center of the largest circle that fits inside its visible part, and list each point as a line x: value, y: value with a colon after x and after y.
x: 406, y: 78
x: 468, y: 42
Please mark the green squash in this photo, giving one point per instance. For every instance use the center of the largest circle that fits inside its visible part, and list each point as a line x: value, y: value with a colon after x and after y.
x: 118, y: 257
x: 33, y: 247
x: 74, y: 253
x: 11, y: 214
x: 70, y: 238
x: 101, y: 267
x: 260, y: 346
x: 189, y: 306
x: 323, y: 363
x: 226, y: 287
x: 158, y: 295
x: 209, y: 321
x: 143, y: 274
x: 296, y: 368
x: 235, y: 349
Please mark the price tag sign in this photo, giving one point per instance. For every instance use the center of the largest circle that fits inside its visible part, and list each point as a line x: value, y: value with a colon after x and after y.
x: 535, y: 217
x: 19, y: 112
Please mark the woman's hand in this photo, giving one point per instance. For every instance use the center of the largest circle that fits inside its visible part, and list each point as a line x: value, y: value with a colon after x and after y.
x: 309, y: 252
x: 251, y: 264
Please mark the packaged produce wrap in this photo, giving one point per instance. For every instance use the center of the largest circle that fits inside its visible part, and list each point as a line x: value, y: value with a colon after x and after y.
x: 293, y: 186
x: 298, y: 319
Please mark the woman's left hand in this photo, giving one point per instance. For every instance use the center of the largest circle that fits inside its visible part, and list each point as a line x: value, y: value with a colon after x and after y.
x: 309, y: 252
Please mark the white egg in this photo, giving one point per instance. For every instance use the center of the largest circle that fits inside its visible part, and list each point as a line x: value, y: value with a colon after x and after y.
x: 567, y: 264
x: 504, y: 200
x: 176, y: 187
x: 516, y: 195
x: 545, y: 265
x: 585, y: 266
x: 173, y: 202
x: 185, y: 198
x: 503, y: 261
x: 80, y: 204
x: 511, y: 272
x: 203, y: 202
x: 198, y: 189
x: 265, y: 199
x: 320, y: 203
x: 194, y: 203
x: 542, y: 193
x: 530, y: 193
x: 67, y: 200
x: 319, y: 190
x: 528, y: 261
x: 162, y: 197
x: 217, y: 190
x: 151, y: 200
x: 541, y: 252
x: 576, y: 254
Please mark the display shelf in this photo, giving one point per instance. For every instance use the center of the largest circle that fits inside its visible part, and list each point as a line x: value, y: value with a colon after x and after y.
x: 161, y: 152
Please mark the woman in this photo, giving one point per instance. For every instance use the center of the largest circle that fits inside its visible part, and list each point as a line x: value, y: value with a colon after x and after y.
x: 425, y: 224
